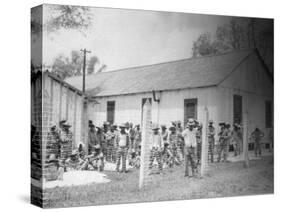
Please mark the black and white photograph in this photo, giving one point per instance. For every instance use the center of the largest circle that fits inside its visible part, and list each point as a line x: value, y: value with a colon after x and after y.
x: 131, y: 106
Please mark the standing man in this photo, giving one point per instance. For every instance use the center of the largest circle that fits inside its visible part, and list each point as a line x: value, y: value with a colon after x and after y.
x: 53, y: 142
x: 110, y: 139
x: 224, y: 139
x: 66, y: 139
x: 164, y: 134
x: 174, y: 141
x: 257, y: 135
x: 92, y: 136
x: 122, y: 148
x: 211, y: 140
x: 189, y: 135
x: 237, y: 139
x: 156, y: 148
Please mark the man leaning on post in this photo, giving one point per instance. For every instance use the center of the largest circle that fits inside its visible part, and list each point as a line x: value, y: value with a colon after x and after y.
x: 189, y: 135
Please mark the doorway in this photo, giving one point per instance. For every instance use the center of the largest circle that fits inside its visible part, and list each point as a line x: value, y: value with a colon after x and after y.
x: 190, y: 109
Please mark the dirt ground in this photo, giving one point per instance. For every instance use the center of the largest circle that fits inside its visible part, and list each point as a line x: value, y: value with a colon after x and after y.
x: 221, y: 180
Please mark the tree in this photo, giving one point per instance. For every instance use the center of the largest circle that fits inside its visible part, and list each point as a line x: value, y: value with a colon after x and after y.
x: 91, y: 64
x: 203, y: 45
x: 66, y: 67
x: 239, y: 33
x: 61, y: 17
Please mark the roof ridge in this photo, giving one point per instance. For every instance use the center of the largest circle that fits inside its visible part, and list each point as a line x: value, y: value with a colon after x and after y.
x: 173, y: 61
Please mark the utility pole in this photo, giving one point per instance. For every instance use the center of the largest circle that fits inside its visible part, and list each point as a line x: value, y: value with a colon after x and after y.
x: 85, y: 51
x: 84, y: 122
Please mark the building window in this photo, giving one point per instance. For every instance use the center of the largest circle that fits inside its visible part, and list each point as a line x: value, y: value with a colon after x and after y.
x: 190, y: 109
x: 110, y: 111
x: 268, y: 114
x: 237, y: 109
x: 143, y: 100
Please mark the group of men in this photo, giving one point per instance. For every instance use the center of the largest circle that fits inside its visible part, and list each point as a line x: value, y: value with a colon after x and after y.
x: 168, y: 147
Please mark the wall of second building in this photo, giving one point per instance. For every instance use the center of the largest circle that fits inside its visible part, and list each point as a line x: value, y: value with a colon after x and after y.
x: 66, y: 104
x: 170, y: 108
x: 252, y: 82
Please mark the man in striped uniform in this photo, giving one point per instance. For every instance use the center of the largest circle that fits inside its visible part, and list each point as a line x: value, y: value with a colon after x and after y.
x: 110, y: 139
x: 224, y: 138
x: 66, y: 139
x: 211, y: 141
x: 156, y: 148
x: 189, y: 135
x: 174, y: 140
x: 122, y: 141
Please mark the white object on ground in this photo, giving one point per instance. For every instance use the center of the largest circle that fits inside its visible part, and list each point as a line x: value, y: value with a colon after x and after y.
x: 112, y: 166
x: 73, y: 178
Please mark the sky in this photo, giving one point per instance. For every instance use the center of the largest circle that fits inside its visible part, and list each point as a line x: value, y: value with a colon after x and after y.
x: 126, y: 38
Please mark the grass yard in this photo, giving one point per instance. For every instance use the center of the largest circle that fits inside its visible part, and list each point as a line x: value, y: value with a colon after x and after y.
x: 222, y: 180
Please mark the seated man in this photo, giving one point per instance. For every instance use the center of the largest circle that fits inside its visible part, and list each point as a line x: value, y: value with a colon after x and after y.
x: 96, y: 159
x: 74, y: 162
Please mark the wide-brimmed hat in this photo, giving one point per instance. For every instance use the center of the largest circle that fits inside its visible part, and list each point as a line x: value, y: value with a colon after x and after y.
x: 53, y: 125
x: 62, y: 121
x: 106, y: 123
x: 122, y: 125
x: 211, y: 121
x: 97, y: 146
x: 127, y: 124
x: 227, y: 125
x: 200, y: 125
x: 154, y: 126
x: 163, y: 126
x: 66, y: 124
x: 114, y: 125
x: 221, y: 124
x: 190, y: 122
x: 172, y: 128
x: 74, y: 152
x: 52, y: 157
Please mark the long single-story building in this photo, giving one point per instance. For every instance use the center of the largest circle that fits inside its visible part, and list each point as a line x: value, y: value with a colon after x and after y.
x: 228, y: 85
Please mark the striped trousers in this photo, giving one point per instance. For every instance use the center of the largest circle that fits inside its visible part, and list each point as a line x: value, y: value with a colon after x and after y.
x: 155, y: 153
x: 121, y: 154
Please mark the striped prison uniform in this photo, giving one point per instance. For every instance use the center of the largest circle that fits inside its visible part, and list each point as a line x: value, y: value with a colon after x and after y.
x: 110, y: 139
x: 225, y: 136
x: 156, y: 151
x: 174, y: 140
x: 122, y: 148
x: 211, y: 143
x: 66, y: 138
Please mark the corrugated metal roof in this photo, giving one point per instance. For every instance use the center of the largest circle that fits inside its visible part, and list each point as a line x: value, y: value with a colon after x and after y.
x: 180, y: 74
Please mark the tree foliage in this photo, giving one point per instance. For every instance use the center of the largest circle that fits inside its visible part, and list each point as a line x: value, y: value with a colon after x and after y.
x: 61, y: 17
x: 66, y: 67
x: 235, y: 35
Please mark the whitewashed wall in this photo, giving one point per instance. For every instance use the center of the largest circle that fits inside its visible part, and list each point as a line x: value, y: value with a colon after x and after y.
x: 250, y: 81
x: 171, y: 107
x: 66, y: 104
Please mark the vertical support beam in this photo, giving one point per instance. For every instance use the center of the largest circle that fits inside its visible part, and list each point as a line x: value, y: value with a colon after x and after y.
x: 145, y: 143
x: 60, y: 103
x: 74, y: 119
x: 67, y: 103
x: 245, y: 140
x: 52, y: 93
x: 204, y: 150
x: 84, y: 123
